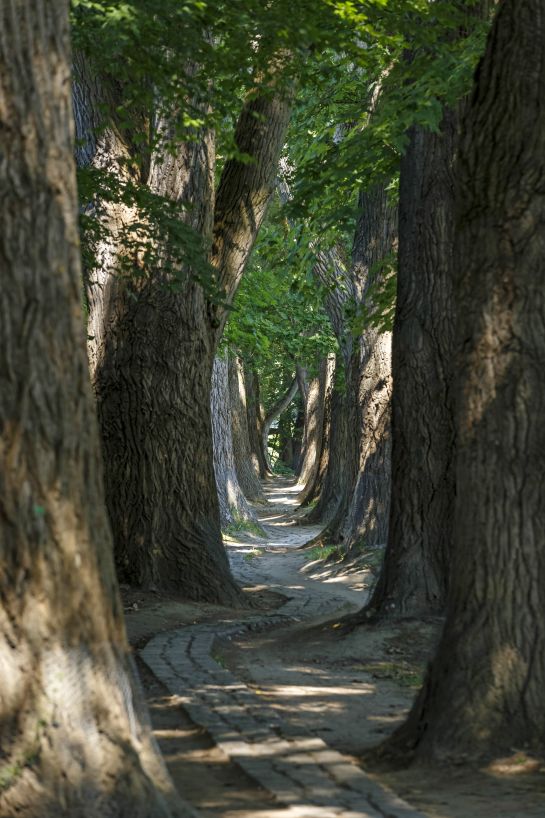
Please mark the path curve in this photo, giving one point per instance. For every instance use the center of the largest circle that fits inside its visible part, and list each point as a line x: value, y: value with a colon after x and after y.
x: 305, y: 776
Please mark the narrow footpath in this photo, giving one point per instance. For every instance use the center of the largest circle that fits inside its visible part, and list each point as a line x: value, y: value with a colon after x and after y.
x: 264, y: 713
x: 304, y: 777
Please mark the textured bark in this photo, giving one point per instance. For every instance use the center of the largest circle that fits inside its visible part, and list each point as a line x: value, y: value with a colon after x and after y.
x: 335, y: 480
x: 484, y: 692
x: 233, y: 504
x: 154, y: 442
x: 415, y: 573
x: 256, y: 416
x: 101, y: 145
x: 245, y: 188
x: 154, y: 363
x: 74, y: 740
x: 362, y: 515
x: 315, y: 486
x: 247, y: 477
x: 314, y: 425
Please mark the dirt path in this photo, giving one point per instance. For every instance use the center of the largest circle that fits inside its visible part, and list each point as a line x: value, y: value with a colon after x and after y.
x: 264, y: 713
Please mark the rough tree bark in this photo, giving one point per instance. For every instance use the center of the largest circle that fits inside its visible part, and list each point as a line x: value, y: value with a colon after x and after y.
x: 483, y: 694
x: 362, y: 514
x: 247, y: 477
x: 415, y: 574
x: 153, y: 375
x: 233, y: 504
x: 75, y: 741
x: 413, y: 581
x: 314, y: 487
x: 314, y: 426
x: 335, y: 479
x: 256, y: 416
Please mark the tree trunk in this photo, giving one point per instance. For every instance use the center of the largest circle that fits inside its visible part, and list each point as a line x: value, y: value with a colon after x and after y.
x: 153, y: 372
x: 484, y: 692
x: 75, y: 741
x: 414, y: 578
x: 362, y: 515
x: 247, y: 477
x: 313, y: 489
x: 314, y: 425
x: 256, y: 417
x: 366, y: 521
x: 233, y: 505
x: 335, y: 480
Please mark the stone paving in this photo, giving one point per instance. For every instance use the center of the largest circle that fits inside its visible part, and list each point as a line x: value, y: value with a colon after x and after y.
x: 307, y: 777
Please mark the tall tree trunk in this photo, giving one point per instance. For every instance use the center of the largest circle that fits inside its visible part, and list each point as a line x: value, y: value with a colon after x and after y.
x: 483, y: 694
x: 247, y: 477
x: 297, y: 437
x: 153, y: 375
x: 256, y: 417
x: 314, y: 425
x: 315, y: 486
x: 335, y: 480
x: 362, y: 514
x: 414, y: 578
x: 75, y: 742
x: 233, y: 505
x: 154, y: 371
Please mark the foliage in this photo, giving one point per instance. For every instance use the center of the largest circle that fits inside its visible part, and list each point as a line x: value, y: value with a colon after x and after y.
x: 282, y: 470
x: 366, y: 72
x: 378, y: 309
x: 278, y: 310
x: 159, y: 239
x: 278, y: 318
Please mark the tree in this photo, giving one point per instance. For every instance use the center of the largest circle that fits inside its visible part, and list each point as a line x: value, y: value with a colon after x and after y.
x: 315, y: 407
x: 363, y: 511
x: 274, y: 413
x: 75, y: 741
x: 158, y: 333
x: 483, y: 692
x: 247, y: 475
x: 414, y: 577
x: 256, y: 415
x: 233, y: 505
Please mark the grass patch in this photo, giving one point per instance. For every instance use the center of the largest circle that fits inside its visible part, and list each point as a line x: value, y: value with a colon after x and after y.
x: 373, y: 555
x: 322, y: 552
x: 218, y: 659
x: 403, y: 673
x: 251, y: 555
x: 240, y: 525
x: 9, y: 773
x: 282, y: 470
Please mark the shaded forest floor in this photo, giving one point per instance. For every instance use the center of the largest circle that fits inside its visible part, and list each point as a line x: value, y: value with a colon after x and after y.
x: 350, y: 690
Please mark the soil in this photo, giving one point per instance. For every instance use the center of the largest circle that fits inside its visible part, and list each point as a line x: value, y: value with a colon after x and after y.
x: 349, y: 688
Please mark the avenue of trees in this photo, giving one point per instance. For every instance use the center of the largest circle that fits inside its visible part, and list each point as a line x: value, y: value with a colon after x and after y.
x: 244, y: 238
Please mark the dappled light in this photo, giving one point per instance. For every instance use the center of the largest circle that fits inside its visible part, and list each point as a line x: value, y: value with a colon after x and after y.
x: 272, y: 401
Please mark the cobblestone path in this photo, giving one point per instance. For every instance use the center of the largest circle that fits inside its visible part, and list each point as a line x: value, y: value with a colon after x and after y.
x: 305, y: 776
